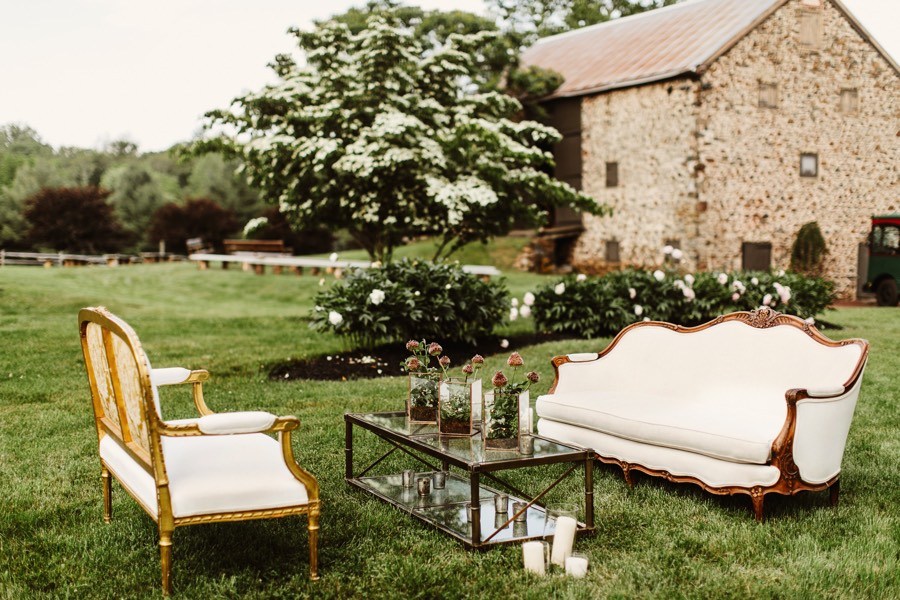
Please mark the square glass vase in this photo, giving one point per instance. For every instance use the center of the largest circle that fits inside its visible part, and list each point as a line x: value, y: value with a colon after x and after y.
x: 458, y: 399
x: 422, y: 401
x: 507, y: 419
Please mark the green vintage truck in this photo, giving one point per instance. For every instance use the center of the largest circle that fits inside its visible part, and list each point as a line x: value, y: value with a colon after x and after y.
x: 884, y: 259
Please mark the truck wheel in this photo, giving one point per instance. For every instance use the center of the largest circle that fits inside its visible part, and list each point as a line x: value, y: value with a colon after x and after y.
x: 886, y: 293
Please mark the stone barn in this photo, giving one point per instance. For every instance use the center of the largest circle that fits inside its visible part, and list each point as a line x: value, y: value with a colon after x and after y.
x: 720, y: 127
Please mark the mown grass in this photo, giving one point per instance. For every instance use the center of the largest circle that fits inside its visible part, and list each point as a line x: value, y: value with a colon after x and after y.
x: 657, y: 540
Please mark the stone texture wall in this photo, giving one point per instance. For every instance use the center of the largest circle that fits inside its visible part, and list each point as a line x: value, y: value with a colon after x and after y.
x: 701, y: 162
x: 749, y: 174
x: 649, y: 131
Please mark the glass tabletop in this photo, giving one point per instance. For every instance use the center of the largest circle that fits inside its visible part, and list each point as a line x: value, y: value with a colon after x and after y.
x: 469, y: 449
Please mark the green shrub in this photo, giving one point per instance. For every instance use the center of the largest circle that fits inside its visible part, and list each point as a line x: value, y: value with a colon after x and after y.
x: 809, y: 250
x: 416, y: 300
x: 601, y: 306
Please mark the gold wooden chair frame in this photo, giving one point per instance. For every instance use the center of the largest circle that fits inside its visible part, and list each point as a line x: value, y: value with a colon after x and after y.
x: 126, y: 410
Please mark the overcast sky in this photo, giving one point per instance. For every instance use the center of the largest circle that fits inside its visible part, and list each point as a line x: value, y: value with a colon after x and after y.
x: 84, y: 72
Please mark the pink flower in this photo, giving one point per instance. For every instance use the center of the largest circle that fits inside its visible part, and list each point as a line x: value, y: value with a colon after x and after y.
x: 413, y: 364
x: 735, y: 297
x: 499, y: 379
x: 478, y: 359
x: 532, y: 376
x: 412, y: 345
x: 434, y: 349
x: 515, y: 360
x: 468, y: 369
x: 445, y: 361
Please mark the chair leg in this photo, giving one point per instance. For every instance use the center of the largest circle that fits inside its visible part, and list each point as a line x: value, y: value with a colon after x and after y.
x: 626, y: 471
x: 165, y: 559
x: 107, y: 494
x: 313, y: 527
x: 834, y: 492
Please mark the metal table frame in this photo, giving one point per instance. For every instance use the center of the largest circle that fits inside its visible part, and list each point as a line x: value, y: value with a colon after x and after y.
x: 474, y: 470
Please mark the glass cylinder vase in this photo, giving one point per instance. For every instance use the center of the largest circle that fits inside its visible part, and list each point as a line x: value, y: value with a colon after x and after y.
x: 455, y: 414
x: 422, y: 401
x: 504, y: 420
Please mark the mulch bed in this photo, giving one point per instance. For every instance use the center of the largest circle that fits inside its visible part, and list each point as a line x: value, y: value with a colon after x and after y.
x: 384, y: 361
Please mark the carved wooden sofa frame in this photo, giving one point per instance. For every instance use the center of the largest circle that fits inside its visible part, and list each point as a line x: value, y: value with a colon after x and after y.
x: 782, y: 453
x: 125, y: 409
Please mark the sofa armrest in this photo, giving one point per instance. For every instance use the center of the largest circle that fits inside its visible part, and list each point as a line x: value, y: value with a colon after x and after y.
x: 812, y: 441
x: 236, y: 422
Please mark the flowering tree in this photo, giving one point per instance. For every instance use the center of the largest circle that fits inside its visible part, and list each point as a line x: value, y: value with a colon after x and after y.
x: 380, y: 136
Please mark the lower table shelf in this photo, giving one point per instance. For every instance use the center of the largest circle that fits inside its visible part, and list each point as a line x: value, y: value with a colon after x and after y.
x: 446, y: 509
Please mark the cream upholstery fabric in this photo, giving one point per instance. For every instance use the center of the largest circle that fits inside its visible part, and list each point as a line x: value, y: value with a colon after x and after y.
x: 711, y: 471
x: 719, y: 422
x: 231, y: 473
x: 236, y: 422
x: 129, y: 473
x: 718, y: 393
x: 169, y: 376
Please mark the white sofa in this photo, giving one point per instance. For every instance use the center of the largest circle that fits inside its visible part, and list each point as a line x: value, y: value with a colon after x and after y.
x: 750, y: 403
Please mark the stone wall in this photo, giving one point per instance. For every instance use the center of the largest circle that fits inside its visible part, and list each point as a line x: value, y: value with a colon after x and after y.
x: 649, y: 131
x: 702, y: 163
x: 749, y: 175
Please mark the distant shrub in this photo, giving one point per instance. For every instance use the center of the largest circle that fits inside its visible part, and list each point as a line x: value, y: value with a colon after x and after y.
x: 75, y: 219
x: 809, y: 250
x: 198, y: 217
x: 602, y: 306
x: 276, y: 227
x: 411, y: 300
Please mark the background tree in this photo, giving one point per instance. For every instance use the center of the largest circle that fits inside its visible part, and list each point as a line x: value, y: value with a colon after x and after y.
x: 73, y: 220
x: 277, y: 227
x: 198, y: 217
x: 137, y: 193
x: 528, y: 20
x: 378, y: 136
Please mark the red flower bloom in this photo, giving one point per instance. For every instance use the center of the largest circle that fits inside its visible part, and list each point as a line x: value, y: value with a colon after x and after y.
x: 499, y: 379
x: 515, y: 360
x: 532, y: 376
x: 434, y: 349
x: 413, y: 364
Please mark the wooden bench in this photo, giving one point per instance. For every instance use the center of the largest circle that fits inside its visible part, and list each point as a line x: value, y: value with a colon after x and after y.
x: 256, y: 246
x: 296, y: 264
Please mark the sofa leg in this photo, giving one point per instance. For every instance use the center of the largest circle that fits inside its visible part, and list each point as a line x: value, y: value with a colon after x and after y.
x: 165, y: 559
x: 313, y: 527
x: 758, y: 499
x: 834, y: 492
x: 107, y: 494
x: 626, y: 470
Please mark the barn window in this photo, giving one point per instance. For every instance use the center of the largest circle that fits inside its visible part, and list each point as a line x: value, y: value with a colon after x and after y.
x: 612, y: 251
x: 809, y: 165
x: 768, y: 95
x: 612, y: 174
x: 849, y: 101
x: 756, y: 256
x: 811, y: 28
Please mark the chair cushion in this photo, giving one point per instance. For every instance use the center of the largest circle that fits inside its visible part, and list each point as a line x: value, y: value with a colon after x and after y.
x: 724, y: 423
x: 254, y: 421
x: 129, y: 473
x: 232, y: 473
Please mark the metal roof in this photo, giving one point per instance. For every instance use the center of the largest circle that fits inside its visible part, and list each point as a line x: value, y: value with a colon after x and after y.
x: 658, y: 44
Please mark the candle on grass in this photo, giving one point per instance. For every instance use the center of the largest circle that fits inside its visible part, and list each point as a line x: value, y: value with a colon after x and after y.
x: 577, y: 565
x: 533, y: 554
x: 563, y: 540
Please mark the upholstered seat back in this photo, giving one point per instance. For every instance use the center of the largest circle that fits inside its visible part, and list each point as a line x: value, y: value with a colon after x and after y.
x: 731, y: 360
x: 119, y: 376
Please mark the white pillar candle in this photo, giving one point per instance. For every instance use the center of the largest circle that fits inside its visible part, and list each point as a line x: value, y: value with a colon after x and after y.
x: 576, y: 566
x: 563, y: 540
x: 533, y: 555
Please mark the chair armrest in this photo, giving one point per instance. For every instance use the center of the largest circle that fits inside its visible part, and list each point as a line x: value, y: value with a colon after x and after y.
x: 825, y: 391
x: 177, y: 375
x: 229, y: 424
x: 236, y: 422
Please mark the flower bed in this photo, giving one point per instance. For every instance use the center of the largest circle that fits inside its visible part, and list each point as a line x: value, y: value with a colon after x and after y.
x: 599, y: 306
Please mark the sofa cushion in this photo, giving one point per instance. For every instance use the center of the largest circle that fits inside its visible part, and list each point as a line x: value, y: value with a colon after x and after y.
x: 726, y: 424
x: 231, y: 473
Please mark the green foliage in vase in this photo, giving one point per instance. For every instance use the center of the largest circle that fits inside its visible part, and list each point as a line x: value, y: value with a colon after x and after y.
x: 600, y: 306
x: 457, y: 406
x: 423, y: 389
x: 502, y: 415
x: 410, y: 300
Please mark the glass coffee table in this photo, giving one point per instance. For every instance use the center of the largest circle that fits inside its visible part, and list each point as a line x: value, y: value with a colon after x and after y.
x: 446, y: 509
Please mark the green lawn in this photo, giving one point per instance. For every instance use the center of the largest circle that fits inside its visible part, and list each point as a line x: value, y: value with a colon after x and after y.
x: 658, y: 540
